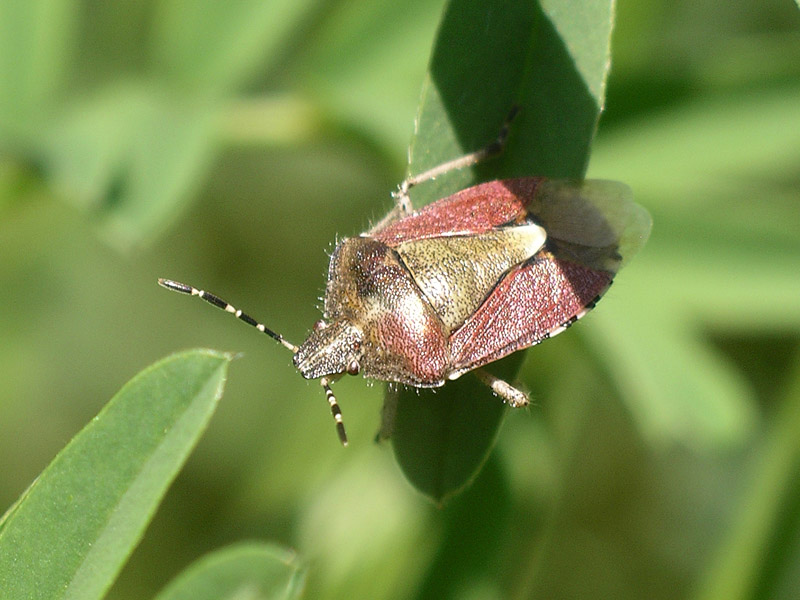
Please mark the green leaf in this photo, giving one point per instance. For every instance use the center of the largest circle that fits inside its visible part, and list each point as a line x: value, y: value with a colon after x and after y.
x: 246, y: 571
x: 550, y: 59
x: 455, y: 427
x: 71, y: 532
x: 555, y: 71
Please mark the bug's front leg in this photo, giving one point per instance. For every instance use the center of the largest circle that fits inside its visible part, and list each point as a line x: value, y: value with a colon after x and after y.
x: 402, y: 201
x: 402, y: 208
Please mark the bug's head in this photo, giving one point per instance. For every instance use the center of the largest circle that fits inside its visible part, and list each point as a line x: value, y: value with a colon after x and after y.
x: 331, y: 349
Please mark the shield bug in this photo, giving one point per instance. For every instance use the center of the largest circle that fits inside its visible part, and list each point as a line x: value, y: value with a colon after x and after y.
x: 425, y: 296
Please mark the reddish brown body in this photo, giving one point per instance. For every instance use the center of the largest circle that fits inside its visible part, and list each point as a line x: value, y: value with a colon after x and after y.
x: 469, y: 279
x: 426, y: 296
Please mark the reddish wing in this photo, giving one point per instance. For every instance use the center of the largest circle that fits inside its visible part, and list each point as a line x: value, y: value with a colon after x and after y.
x: 533, y: 302
x: 473, y: 210
x: 593, y: 228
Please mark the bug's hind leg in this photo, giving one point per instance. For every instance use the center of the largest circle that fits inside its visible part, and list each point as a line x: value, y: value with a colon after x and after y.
x: 514, y: 397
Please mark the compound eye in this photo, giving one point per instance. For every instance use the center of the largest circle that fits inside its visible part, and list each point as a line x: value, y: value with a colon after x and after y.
x: 353, y: 368
x: 320, y: 325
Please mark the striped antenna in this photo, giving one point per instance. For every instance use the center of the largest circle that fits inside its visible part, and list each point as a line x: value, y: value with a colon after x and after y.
x: 189, y: 290
x: 182, y: 288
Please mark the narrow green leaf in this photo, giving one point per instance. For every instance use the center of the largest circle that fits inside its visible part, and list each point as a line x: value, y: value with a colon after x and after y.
x: 131, y: 155
x: 701, y: 158
x: 35, y: 51
x: 246, y: 571
x: 676, y: 386
x: 70, y: 534
x: 718, y: 193
x: 756, y: 535
x: 363, y: 63
x: 550, y: 59
x: 213, y: 46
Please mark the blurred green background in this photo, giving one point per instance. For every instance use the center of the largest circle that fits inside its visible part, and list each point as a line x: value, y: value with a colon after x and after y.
x: 229, y: 144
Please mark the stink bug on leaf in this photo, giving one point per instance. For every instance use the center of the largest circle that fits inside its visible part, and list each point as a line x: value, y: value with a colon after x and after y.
x: 426, y: 296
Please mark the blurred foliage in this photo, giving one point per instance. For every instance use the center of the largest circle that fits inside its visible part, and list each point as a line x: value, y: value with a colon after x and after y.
x: 247, y: 570
x: 229, y: 147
